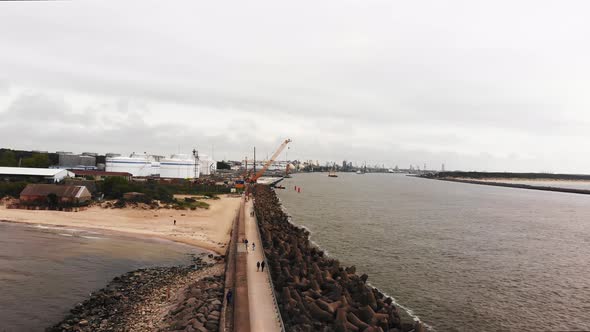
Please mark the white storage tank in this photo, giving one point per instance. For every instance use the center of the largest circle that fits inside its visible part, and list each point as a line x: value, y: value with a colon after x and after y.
x: 136, y: 164
x: 179, y: 166
x: 208, y: 165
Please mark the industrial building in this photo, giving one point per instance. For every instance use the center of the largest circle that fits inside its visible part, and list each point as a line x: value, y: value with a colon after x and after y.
x: 180, y: 166
x: 38, y: 174
x: 86, y: 160
x: 135, y: 164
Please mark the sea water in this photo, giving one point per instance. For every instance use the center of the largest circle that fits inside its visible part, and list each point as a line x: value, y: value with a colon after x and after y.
x: 45, y: 271
x: 461, y: 257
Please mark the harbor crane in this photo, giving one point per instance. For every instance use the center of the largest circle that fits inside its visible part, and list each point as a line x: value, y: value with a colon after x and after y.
x: 261, y: 172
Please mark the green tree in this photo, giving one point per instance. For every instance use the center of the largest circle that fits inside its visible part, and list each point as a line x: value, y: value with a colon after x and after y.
x: 115, y: 187
x: 40, y: 160
x: 11, y: 188
x: 8, y: 159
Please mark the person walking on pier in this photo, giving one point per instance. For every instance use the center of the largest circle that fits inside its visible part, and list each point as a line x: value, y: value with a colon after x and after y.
x: 246, y: 243
x: 229, y: 296
x: 253, y: 246
x: 262, y: 265
x: 174, y: 222
x: 257, y: 266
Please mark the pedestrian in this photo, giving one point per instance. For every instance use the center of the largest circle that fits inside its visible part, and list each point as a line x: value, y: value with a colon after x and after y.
x: 174, y: 222
x: 262, y: 266
x: 257, y: 266
x: 253, y: 246
x: 246, y: 243
x: 229, y: 296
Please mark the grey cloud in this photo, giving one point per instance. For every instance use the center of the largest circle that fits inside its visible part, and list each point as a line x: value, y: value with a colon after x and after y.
x: 124, y: 136
x: 403, y: 82
x: 39, y: 107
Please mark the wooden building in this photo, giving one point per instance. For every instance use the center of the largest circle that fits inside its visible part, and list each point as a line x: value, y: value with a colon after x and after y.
x: 39, y: 193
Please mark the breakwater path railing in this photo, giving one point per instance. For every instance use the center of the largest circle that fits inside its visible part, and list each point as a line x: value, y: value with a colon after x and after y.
x: 264, y: 310
x: 242, y: 304
x: 227, y: 314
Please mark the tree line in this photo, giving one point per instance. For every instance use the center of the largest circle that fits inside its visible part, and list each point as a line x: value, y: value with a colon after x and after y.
x: 9, y: 158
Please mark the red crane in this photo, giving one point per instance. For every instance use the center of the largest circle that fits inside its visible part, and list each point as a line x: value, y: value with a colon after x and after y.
x: 269, y: 162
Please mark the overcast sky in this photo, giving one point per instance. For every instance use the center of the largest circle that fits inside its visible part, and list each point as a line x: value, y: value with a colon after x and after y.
x: 477, y: 85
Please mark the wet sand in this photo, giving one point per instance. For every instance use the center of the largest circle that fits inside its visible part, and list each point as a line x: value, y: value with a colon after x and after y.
x: 205, y: 228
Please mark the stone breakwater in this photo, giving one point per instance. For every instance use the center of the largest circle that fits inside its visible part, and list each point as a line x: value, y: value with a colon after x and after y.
x: 180, y: 298
x: 314, y: 292
x: 199, y: 308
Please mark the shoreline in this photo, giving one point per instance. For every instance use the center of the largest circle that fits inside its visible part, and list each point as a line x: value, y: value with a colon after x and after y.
x: 116, y: 233
x: 205, y: 229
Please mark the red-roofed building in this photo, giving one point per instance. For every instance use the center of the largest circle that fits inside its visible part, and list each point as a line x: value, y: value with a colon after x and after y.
x: 64, y: 194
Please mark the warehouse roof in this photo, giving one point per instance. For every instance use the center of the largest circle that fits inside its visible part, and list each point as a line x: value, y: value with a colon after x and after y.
x: 98, y: 173
x: 26, y: 171
x: 59, y: 190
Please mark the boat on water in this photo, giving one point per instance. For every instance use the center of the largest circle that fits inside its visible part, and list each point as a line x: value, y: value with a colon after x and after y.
x: 332, y: 171
x: 363, y: 170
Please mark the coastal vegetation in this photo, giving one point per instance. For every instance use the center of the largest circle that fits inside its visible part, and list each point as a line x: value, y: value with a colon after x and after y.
x: 151, y: 193
x: 190, y: 203
x: 115, y: 187
x: 11, y: 189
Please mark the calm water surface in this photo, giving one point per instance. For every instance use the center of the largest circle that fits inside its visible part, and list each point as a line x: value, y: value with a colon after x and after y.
x: 45, y: 271
x: 462, y: 257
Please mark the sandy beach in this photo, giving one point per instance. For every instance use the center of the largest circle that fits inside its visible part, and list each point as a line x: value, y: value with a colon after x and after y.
x: 205, y: 228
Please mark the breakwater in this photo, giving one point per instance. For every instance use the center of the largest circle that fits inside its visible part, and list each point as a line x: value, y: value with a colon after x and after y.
x: 185, y: 298
x: 518, y: 185
x: 314, y: 292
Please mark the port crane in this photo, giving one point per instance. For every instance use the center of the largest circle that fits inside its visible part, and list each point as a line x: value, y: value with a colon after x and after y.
x: 240, y: 183
x: 261, y: 172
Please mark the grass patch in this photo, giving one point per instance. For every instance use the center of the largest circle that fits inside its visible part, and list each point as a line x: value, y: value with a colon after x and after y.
x: 190, y: 204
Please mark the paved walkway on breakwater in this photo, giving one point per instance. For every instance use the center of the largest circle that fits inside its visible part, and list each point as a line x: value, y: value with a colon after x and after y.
x: 263, y: 314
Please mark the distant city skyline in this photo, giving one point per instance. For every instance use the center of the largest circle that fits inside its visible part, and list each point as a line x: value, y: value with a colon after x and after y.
x: 478, y: 85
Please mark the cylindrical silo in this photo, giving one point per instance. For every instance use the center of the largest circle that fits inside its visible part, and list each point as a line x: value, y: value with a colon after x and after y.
x: 179, y: 166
